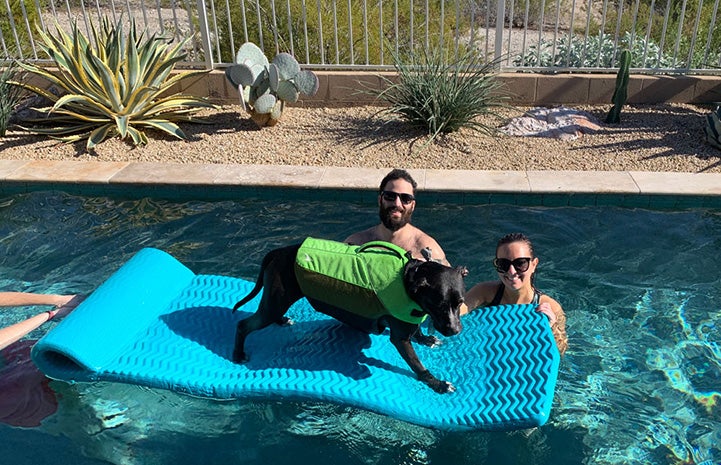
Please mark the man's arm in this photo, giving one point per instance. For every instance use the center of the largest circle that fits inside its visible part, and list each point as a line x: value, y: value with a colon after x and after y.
x: 436, y: 252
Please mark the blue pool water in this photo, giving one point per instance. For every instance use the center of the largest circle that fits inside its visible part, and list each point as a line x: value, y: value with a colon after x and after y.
x: 641, y: 382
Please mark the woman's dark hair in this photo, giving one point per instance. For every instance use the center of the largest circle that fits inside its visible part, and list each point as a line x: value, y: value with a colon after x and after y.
x: 516, y: 237
x: 519, y: 237
x: 398, y: 174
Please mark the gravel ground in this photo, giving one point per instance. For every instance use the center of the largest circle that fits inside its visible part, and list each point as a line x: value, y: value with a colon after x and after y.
x: 649, y: 138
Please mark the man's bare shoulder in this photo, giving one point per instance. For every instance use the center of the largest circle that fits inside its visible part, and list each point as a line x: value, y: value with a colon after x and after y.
x: 361, y: 237
x: 424, y: 241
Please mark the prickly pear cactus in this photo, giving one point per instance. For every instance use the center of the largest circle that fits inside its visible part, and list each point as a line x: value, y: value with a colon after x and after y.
x: 265, y: 86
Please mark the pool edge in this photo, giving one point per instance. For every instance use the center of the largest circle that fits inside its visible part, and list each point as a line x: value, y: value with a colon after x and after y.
x: 221, y: 180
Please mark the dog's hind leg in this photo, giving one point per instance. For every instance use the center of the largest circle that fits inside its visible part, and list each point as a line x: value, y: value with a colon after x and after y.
x: 245, y: 327
x: 267, y: 314
x: 281, y: 290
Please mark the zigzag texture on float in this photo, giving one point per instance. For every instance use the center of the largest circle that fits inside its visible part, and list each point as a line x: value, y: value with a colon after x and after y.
x: 155, y: 323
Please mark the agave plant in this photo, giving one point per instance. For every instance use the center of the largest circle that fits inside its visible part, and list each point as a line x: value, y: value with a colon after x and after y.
x: 116, y: 84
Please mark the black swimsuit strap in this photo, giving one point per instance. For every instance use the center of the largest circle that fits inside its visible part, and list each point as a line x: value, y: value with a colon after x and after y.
x: 499, y: 295
x: 536, y: 296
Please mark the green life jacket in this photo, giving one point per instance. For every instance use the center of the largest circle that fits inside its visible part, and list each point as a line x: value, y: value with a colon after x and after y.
x: 366, y: 280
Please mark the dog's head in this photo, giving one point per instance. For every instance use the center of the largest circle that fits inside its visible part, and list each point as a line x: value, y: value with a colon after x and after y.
x: 439, y: 290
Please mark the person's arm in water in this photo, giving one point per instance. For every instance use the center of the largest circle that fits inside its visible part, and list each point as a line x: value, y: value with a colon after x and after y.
x: 13, y: 333
x: 557, y: 320
x: 21, y: 299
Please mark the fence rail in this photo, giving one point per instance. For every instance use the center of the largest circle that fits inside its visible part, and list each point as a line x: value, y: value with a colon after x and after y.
x: 664, y: 36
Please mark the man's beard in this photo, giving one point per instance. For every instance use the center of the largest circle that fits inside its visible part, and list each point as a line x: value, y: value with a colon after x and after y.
x: 391, y: 223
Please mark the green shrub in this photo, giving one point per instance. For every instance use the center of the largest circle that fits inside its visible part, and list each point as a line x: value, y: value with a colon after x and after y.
x: 597, y: 51
x: 680, y: 26
x: 328, y: 16
x: 10, y: 95
x: 18, y: 42
x: 442, y: 97
x: 114, y: 84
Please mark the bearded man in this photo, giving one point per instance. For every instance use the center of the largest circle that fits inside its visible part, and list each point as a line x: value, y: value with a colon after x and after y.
x: 396, y: 202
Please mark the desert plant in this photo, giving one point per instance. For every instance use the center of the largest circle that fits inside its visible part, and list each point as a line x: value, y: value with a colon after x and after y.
x: 598, y: 51
x: 440, y: 96
x: 330, y: 32
x: 114, y: 84
x: 621, y: 92
x: 265, y: 86
x: 10, y: 95
x: 712, y: 129
x: 16, y: 39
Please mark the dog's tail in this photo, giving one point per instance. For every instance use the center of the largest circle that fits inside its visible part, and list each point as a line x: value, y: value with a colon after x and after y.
x: 258, y: 284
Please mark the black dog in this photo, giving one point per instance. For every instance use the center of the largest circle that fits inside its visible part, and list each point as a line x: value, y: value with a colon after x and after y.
x: 434, y: 289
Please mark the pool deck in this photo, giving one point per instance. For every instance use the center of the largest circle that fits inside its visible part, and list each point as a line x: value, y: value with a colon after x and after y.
x: 117, y: 177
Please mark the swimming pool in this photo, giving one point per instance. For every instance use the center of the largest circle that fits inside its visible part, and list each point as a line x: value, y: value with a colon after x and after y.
x: 641, y: 382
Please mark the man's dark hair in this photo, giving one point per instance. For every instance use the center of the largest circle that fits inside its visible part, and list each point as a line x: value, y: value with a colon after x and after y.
x: 398, y: 174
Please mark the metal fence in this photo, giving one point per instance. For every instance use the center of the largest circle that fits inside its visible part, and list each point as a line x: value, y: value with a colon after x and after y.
x: 665, y: 36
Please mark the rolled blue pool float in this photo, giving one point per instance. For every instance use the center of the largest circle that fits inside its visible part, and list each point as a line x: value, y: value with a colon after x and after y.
x: 156, y: 323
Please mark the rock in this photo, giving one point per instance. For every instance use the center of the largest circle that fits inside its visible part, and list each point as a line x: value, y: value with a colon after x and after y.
x: 559, y: 123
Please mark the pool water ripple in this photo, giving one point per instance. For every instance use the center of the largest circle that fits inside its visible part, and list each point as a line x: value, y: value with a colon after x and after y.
x: 639, y: 383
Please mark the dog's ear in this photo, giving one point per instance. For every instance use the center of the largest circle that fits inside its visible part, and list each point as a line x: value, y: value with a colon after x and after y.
x: 427, y: 253
x: 418, y: 284
x: 462, y: 270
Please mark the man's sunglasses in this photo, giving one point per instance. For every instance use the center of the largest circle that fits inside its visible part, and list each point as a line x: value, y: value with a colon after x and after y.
x: 519, y: 264
x: 390, y: 196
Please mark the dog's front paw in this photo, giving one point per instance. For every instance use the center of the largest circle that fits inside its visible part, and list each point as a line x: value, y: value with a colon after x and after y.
x: 239, y: 356
x: 426, y: 340
x: 446, y: 387
x: 441, y: 387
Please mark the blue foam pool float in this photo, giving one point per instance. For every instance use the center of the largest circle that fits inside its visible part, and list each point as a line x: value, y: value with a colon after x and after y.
x: 156, y: 323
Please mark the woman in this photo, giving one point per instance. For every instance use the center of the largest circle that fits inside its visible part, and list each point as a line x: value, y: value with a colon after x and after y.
x: 516, y: 264
x: 26, y: 398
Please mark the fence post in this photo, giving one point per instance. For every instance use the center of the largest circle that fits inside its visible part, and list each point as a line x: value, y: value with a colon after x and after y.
x: 205, y: 34
x: 500, y: 21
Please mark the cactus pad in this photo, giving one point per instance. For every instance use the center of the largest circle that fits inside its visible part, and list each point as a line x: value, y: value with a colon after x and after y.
x: 287, y: 91
x: 251, y: 54
x: 307, y: 82
x: 288, y: 66
x: 265, y: 103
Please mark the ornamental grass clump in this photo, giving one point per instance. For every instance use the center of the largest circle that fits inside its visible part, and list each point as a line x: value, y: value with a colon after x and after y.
x: 10, y: 96
x: 441, y: 97
x: 115, y: 84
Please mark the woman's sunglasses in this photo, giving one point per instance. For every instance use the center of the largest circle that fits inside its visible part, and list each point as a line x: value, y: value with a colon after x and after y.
x: 519, y: 264
x: 390, y: 196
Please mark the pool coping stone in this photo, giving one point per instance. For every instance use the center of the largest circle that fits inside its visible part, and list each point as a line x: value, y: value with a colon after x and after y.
x: 550, y: 187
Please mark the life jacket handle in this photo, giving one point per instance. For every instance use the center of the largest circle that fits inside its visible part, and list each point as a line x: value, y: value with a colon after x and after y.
x: 385, y: 245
